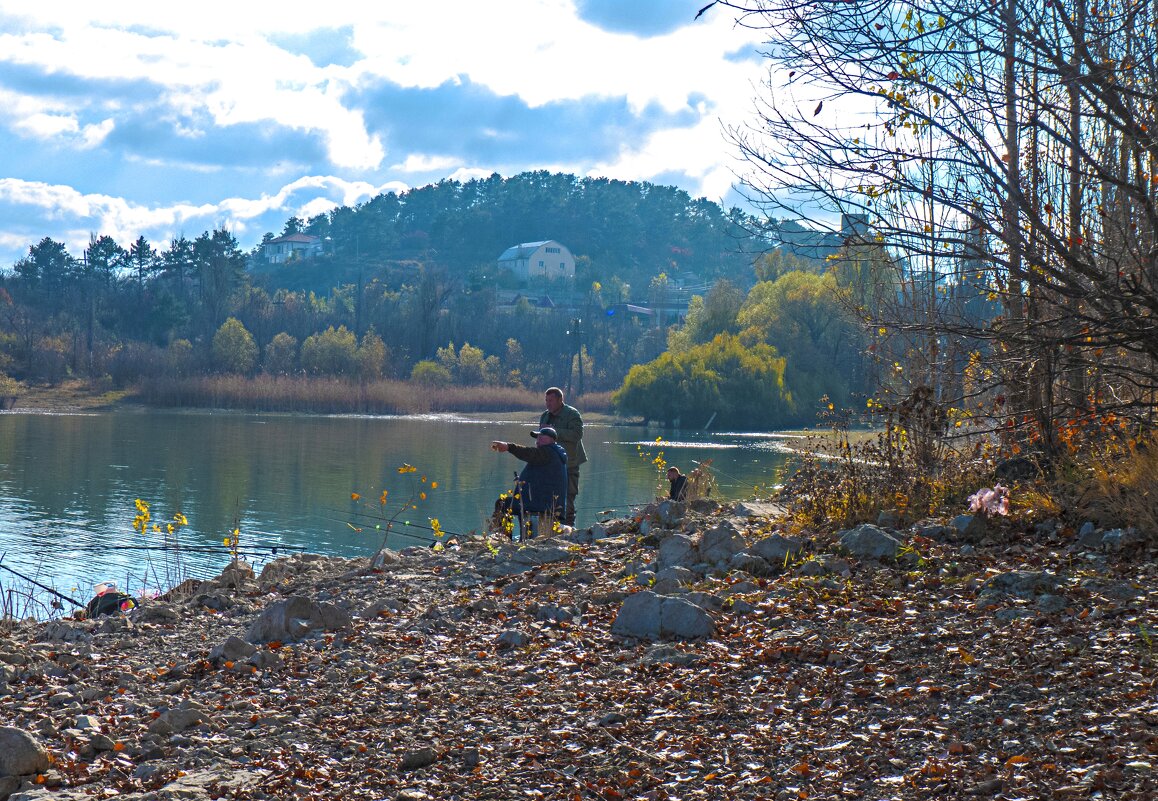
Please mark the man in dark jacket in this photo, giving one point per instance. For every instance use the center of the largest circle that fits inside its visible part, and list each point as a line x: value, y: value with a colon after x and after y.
x: 543, y: 482
x: 569, y: 423
x: 679, y: 484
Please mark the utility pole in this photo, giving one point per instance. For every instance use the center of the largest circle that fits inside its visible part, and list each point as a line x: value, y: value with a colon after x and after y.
x: 575, y: 354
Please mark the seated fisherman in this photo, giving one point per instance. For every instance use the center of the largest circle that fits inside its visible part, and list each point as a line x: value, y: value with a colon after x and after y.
x: 542, y: 486
x: 679, y: 484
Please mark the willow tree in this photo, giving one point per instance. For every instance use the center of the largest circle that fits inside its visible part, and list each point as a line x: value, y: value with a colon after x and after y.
x: 1004, y: 150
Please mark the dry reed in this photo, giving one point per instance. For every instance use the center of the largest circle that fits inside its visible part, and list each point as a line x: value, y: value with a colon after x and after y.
x: 319, y: 395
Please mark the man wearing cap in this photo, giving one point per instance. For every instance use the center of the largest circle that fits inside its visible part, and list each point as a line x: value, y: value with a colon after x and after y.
x: 543, y: 482
x: 568, y: 422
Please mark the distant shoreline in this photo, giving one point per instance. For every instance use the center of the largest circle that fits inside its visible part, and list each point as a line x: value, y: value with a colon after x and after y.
x: 300, y: 395
x: 79, y: 396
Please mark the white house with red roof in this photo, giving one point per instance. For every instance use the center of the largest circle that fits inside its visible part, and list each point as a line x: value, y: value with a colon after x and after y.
x: 291, y: 247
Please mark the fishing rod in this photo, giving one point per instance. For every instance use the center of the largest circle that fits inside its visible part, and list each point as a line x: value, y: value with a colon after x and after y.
x: 393, y: 528
x: 255, y: 549
x: 381, y: 523
x: 36, y: 583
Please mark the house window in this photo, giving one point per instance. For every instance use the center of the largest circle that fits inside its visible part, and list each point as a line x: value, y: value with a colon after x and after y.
x: 552, y: 250
x: 540, y: 262
x: 562, y: 265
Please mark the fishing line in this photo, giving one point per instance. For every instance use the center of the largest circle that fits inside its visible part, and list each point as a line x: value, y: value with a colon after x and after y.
x: 44, y: 587
x: 385, y: 527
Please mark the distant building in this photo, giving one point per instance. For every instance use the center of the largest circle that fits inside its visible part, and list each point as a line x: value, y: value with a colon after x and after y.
x: 532, y: 260
x: 510, y: 299
x: 810, y: 243
x: 291, y: 247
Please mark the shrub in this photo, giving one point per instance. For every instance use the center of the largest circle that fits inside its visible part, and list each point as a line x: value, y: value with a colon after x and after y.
x: 332, y: 352
x: 850, y: 477
x: 281, y: 354
x: 234, y: 350
x: 739, y: 386
x: 132, y: 361
x: 371, y: 357
x: 430, y: 373
x: 179, y: 359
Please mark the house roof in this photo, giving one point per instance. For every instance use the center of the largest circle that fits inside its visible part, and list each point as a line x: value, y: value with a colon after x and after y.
x: 522, y: 251
x: 305, y: 239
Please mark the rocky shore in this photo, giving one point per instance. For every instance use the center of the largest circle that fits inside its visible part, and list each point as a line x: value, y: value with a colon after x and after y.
x: 689, y: 653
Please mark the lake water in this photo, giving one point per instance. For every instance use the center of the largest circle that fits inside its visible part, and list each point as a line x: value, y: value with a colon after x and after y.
x: 69, y: 482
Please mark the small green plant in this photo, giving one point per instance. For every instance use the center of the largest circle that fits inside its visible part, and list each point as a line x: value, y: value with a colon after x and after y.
x: 232, y: 541
x: 385, y: 520
x: 169, y: 531
x: 1147, y: 639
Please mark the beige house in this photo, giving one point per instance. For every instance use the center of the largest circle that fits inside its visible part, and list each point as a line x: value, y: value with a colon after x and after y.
x: 290, y: 247
x: 532, y: 260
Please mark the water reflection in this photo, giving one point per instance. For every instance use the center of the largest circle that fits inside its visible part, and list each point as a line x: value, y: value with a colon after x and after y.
x: 68, y: 484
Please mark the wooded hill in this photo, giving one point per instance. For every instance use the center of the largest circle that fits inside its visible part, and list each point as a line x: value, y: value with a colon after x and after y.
x: 415, y: 272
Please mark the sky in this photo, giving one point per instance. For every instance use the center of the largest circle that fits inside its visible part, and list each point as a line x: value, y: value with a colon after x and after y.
x: 165, y: 118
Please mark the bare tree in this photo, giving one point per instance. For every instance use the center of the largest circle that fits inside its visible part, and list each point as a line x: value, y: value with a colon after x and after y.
x: 1015, y: 136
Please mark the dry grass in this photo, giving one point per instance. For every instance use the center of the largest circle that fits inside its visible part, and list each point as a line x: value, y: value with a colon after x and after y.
x: 335, y: 396
x: 71, y: 394
x: 1121, y: 488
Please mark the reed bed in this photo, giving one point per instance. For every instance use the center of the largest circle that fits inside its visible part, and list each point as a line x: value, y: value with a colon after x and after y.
x: 320, y: 395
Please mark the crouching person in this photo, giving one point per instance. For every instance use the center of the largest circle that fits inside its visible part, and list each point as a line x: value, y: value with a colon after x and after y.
x: 542, y: 486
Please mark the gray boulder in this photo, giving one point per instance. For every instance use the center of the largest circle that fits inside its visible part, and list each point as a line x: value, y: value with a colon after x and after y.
x: 668, y: 514
x: 676, y: 576
x: 678, y: 550
x: 233, y: 649
x: 20, y: 753
x: 1020, y: 584
x: 889, y: 518
x: 777, y: 550
x: 759, y: 509
x: 751, y: 564
x: 294, y: 618
x: 59, y: 631
x: 539, y: 554
x: 645, y: 615
x: 870, y: 542
x: 970, y: 527
x: 185, y: 716
x: 718, y: 545
x: 1122, y: 538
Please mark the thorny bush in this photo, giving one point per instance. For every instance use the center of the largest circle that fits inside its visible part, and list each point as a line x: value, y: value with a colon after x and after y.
x: 904, y: 464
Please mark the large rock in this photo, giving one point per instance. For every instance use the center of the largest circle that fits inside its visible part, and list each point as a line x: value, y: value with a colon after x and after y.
x: 233, y: 649
x: 20, y: 753
x: 776, y: 550
x: 720, y: 544
x: 539, y: 554
x: 970, y: 528
x: 759, y: 509
x: 60, y: 631
x: 1020, y: 584
x: 647, y: 616
x: 667, y: 514
x: 678, y: 550
x: 294, y: 618
x: 870, y: 542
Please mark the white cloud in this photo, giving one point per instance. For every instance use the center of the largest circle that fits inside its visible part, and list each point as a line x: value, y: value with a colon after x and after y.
x: 421, y: 162
x: 95, y: 135
x: 539, y: 51
x: 46, y: 126
x: 82, y: 214
x: 100, y: 73
x: 470, y: 174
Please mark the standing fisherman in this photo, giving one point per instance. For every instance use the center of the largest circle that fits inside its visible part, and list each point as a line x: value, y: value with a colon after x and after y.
x: 569, y: 423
